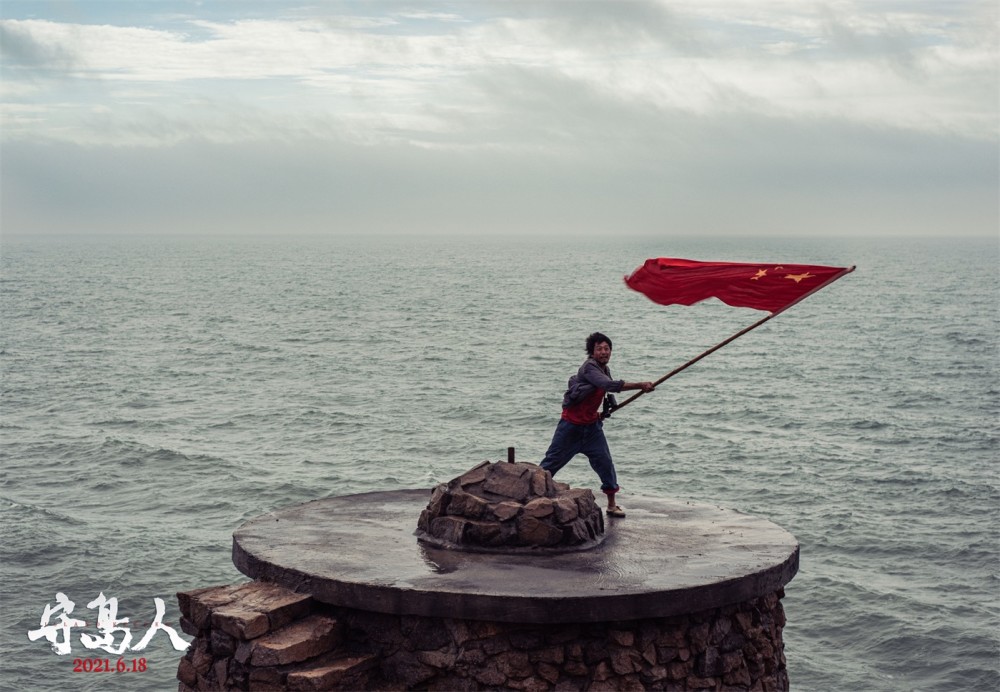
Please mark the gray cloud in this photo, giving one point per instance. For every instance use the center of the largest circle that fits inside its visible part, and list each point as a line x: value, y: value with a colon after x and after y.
x: 23, y: 50
x: 573, y: 118
x: 718, y: 177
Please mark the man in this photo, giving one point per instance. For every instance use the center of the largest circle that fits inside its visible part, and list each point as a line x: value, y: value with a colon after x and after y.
x: 580, y: 430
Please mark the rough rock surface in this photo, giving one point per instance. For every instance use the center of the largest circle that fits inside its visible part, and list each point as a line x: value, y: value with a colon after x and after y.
x: 502, y: 506
x: 262, y: 636
x: 735, y: 648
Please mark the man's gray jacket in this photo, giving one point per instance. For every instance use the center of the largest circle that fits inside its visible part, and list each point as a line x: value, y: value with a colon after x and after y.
x: 590, y: 377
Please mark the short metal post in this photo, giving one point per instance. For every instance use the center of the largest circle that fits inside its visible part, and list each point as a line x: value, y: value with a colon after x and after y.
x: 510, y: 455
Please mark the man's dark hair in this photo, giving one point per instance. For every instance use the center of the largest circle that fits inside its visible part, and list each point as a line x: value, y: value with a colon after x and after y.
x: 595, y: 339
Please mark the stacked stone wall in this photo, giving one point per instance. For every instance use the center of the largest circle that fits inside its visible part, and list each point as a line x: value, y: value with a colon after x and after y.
x: 261, y: 636
x: 728, y: 649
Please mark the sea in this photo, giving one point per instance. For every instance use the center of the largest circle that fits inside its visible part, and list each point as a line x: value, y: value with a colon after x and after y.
x: 158, y: 392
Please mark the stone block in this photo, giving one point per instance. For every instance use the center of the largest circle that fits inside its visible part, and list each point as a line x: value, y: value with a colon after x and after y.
x: 222, y: 644
x: 541, y: 483
x: 465, y: 505
x: 754, y: 662
x: 733, y: 641
x: 438, y: 504
x: 744, y: 621
x: 673, y: 637
x: 271, y: 677
x: 678, y: 670
x: 206, y: 685
x: 281, y: 605
x: 185, y: 598
x: 243, y: 652
x: 296, y: 642
x: 625, y: 660
x: 495, y: 645
x: 631, y: 683
x: 424, y: 634
x: 566, y: 510
x: 535, y: 683
x: 709, y: 664
x: 251, y: 610
x: 622, y: 637
x: 532, y: 531
x: 490, y: 674
x: 666, y: 654
x: 332, y: 673
x: 239, y: 622
x: 779, y: 616
x: 549, y: 654
x: 424, y: 521
x: 698, y: 635
x: 766, y: 649
x: 584, y: 498
x: 549, y: 672
x: 511, y: 481
x: 186, y: 673
x: 239, y: 675
x: 475, y: 475
x: 696, y: 683
x: 594, y: 651
x: 506, y: 510
x: 403, y: 667
x: 451, y: 529
x: 655, y: 674
x: 187, y: 627
x: 220, y: 672
x: 442, y: 659
x: 720, y: 628
x: 539, y: 508
x: 470, y: 656
x: 451, y: 683
x: 487, y: 533
x: 602, y: 672
x: 738, y: 676
x: 201, y: 658
x: 513, y: 664
x: 197, y: 605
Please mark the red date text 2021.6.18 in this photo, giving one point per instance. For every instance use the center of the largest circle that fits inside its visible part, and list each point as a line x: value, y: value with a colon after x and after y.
x: 105, y: 665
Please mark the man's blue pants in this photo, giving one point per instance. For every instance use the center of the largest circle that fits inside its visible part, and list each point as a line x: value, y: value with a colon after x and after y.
x: 570, y: 439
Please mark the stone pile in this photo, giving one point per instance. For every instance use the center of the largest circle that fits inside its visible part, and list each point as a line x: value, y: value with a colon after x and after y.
x: 260, y: 636
x: 503, y: 506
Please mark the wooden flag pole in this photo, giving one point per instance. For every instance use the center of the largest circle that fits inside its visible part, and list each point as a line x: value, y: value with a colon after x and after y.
x: 734, y: 337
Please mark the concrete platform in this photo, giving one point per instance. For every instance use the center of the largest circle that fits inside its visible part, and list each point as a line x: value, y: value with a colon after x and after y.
x: 666, y: 557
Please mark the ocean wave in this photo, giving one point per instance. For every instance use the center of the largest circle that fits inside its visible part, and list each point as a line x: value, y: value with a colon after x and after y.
x: 167, y: 437
x: 25, y: 510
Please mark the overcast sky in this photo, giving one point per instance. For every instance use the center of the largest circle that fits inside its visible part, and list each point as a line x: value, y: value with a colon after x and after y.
x: 672, y: 117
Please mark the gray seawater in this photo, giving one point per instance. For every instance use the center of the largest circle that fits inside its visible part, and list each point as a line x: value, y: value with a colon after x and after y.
x: 158, y: 392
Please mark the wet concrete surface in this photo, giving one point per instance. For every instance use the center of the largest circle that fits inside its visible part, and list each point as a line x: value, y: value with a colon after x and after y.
x: 666, y: 557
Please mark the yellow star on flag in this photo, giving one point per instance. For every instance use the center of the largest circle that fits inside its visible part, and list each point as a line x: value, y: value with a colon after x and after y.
x: 797, y: 278
x: 760, y: 273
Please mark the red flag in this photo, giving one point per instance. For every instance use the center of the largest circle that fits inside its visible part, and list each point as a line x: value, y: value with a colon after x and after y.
x: 771, y: 287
